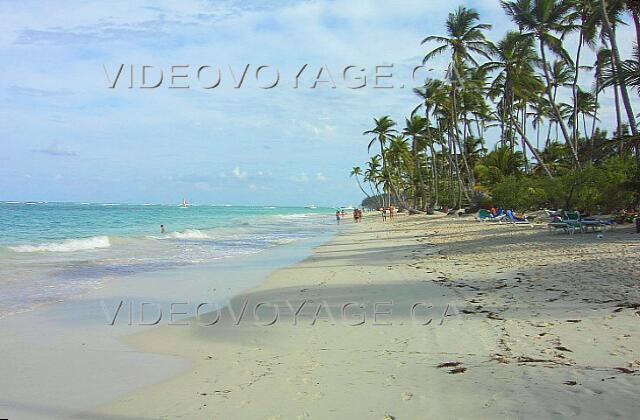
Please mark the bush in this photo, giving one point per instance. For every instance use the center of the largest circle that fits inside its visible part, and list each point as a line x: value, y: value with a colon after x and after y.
x: 603, y: 188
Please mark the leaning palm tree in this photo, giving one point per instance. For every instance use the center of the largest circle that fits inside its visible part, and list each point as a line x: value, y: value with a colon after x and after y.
x: 543, y: 19
x: 357, y: 172
x: 382, y: 131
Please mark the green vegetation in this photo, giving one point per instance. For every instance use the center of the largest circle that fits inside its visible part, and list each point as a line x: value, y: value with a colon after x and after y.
x: 549, y: 153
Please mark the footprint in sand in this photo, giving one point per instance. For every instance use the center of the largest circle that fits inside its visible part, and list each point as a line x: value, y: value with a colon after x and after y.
x: 406, y: 396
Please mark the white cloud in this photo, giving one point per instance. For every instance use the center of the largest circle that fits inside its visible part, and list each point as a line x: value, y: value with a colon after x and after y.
x: 56, y: 149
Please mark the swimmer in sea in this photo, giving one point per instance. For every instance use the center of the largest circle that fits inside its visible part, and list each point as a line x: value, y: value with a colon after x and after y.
x: 162, y: 229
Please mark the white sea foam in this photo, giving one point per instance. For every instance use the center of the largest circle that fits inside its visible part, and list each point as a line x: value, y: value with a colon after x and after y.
x: 295, y: 216
x: 69, y: 245
x: 190, y: 234
x: 282, y: 241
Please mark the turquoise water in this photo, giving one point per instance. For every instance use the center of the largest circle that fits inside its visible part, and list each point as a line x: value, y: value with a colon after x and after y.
x: 54, y: 251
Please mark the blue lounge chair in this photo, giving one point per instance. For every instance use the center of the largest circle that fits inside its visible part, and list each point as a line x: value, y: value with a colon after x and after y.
x: 511, y: 218
x: 485, y: 215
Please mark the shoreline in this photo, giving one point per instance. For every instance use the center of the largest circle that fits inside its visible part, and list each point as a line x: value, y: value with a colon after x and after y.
x: 72, y: 343
x: 504, y: 330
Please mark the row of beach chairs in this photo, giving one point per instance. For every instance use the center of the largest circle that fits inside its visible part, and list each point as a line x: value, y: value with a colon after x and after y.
x: 566, y: 221
x: 571, y: 221
x: 503, y: 216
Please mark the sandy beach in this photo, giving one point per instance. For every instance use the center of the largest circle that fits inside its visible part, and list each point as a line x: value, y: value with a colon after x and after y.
x: 423, y: 317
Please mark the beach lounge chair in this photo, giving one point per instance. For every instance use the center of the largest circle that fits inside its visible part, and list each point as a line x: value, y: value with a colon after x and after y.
x: 595, y: 224
x: 485, y: 215
x: 572, y: 221
x: 566, y: 227
x: 568, y: 221
x: 511, y: 218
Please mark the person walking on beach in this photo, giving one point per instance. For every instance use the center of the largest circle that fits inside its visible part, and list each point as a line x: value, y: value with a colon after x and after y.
x: 338, y: 216
x: 391, y: 211
x: 384, y: 214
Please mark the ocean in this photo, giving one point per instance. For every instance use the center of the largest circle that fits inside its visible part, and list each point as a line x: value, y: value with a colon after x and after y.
x: 51, y: 252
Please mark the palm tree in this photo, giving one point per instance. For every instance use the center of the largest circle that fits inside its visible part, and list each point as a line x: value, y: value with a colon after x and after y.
x: 399, y: 155
x: 586, y: 14
x: 357, y: 172
x: 628, y: 73
x: 543, y: 19
x: 499, y: 163
x: 609, y: 29
x: 513, y: 59
x: 374, y: 177
x: 383, y: 131
x: 634, y: 9
x: 465, y: 38
x: 415, y: 128
x: 585, y: 105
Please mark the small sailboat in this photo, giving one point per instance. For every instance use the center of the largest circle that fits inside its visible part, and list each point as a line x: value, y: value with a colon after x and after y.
x: 312, y: 206
x: 184, y: 203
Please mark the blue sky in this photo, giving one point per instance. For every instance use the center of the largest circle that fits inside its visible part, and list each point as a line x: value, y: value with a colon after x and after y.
x: 65, y: 136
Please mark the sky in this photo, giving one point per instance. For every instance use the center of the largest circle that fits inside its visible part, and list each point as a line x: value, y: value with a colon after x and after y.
x: 67, y: 135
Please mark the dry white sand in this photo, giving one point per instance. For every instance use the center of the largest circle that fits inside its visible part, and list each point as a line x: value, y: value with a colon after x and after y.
x: 537, y: 325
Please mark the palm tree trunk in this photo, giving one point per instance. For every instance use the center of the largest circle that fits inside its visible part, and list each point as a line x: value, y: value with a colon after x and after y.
x: 606, y: 23
x: 456, y: 137
x: 524, y: 130
x: 574, y: 88
x: 595, y: 112
x: 546, y: 144
x: 360, y: 186
x: 535, y: 153
x: 385, y: 173
x: 456, y: 168
x: 635, y: 6
x: 554, y: 107
x: 616, y: 98
x: 434, y: 167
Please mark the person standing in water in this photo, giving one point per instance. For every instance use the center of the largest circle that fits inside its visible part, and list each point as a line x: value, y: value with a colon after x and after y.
x: 338, y: 216
x: 162, y: 229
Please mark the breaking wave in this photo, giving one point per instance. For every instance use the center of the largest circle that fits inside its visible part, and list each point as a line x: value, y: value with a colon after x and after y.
x: 69, y: 245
